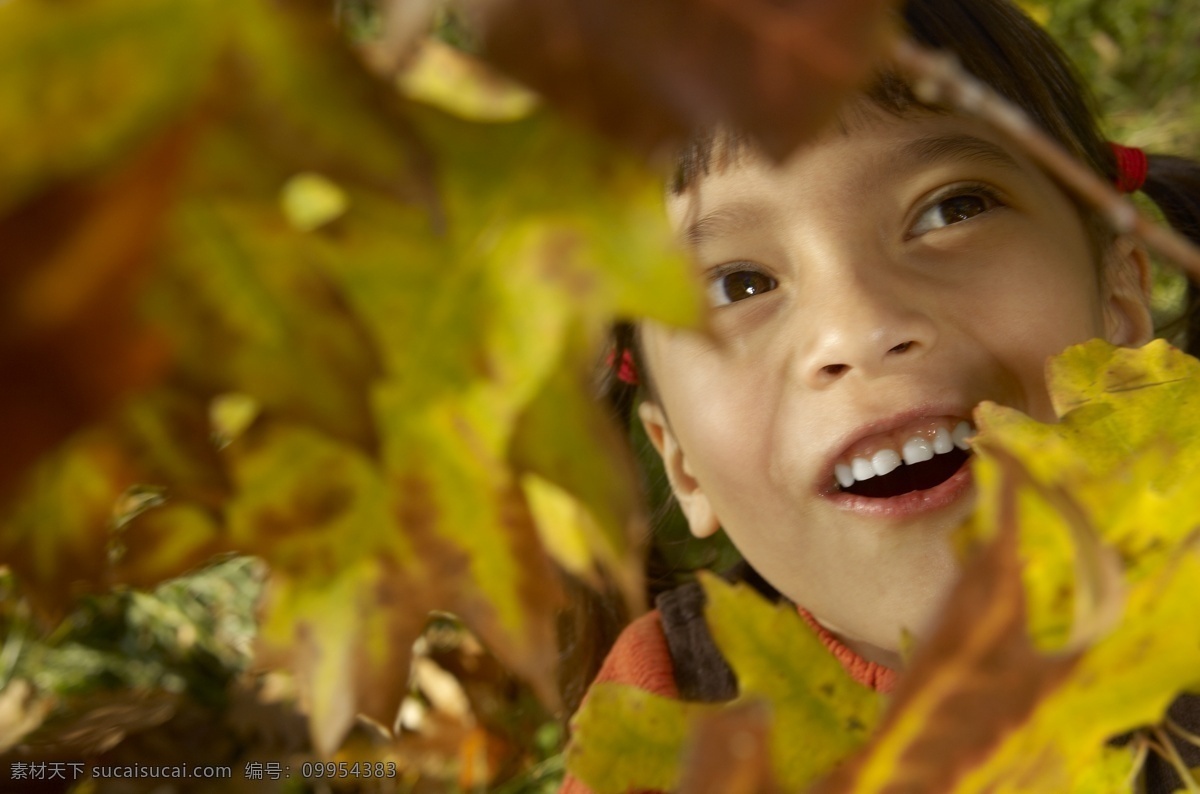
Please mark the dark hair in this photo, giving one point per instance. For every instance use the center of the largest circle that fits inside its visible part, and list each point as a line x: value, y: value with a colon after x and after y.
x: 995, y: 41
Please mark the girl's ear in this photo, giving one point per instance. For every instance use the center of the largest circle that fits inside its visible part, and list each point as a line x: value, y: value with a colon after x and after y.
x: 1127, y: 319
x: 692, y: 500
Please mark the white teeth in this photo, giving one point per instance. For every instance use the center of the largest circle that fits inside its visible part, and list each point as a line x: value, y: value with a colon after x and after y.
x: 844, y: 474
x: 885, y: 461
x: 862, y: 469
x: 917, y: 450
x: 960, y: 434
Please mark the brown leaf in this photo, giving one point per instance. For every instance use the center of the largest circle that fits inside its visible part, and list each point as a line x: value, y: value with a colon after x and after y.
x: 349, y: 645
x: 134, y: 499
x: 55, y: 538
x: 346, y: 598
x: 21, y: 710
x: 975, y: 680
x: 96, y: 723
x: 531, y: 650
x: 653, y: 71
x: 70, y: 342
x: 730, y: 752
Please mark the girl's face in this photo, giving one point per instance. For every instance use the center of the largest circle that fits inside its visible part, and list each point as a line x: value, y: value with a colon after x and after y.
x: 866, y: 295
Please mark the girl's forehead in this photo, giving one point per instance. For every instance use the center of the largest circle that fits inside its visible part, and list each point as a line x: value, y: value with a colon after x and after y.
x: 865, y: 145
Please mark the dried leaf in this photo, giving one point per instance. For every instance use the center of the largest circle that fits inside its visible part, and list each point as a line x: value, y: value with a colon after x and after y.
x: 730, y: 752
x: 348, y: 638
x: 463, y: 86
x: 55, y: 538
x: 404, y: 22
x: 347, y: 598
x: 21, y: 710
x: 71, y: 343
x: 97, y: 723
x: 652, y: 72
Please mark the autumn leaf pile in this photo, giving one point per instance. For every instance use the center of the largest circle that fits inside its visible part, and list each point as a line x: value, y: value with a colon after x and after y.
x: 339, y: 308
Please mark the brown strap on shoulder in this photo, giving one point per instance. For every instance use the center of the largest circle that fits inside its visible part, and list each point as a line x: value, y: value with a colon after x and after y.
x: 701, y: 672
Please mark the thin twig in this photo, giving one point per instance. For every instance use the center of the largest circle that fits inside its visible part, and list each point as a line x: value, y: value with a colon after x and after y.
x: 1141, y: 751
x: 940, y: 79
x: 1182, y: 732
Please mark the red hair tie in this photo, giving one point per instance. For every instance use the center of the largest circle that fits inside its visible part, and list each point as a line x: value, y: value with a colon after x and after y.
x: 1132, y: 165
x: 627, y: 373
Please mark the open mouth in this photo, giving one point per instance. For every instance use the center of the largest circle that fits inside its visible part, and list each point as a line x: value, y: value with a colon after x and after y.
x: 918, y: 456
x: 911, y: 476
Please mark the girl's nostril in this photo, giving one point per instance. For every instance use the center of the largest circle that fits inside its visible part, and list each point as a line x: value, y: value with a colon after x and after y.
x: 834, y: 369
x: 900, y: 348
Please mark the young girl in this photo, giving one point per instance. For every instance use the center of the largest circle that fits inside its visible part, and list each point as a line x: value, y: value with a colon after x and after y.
x: 865, y: 296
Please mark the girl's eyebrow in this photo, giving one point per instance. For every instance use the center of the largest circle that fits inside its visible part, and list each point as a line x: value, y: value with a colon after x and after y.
x: 956, y: 148
x: 919, y: 153
x: 715, y: 223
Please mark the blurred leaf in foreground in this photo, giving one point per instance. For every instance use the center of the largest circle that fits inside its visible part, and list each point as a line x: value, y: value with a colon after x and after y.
x: 651, y: 73
x: 70, y: 342
x: 363, y: 375
x: 77, y: 93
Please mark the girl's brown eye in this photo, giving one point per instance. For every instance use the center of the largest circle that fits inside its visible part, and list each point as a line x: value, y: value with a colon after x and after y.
x: 953, y: 209
x: 961, y: 208
x: 739, y: 285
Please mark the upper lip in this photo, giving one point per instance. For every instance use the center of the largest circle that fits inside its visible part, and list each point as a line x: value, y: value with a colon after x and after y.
x: 825, y: 482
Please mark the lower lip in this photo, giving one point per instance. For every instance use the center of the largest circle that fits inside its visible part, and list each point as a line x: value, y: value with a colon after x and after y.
x: 912, y: 504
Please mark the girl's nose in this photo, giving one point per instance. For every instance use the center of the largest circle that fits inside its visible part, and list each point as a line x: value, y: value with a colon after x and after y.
x: 865, y: 329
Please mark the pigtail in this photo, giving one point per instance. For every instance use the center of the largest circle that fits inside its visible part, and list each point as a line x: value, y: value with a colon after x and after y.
x: 1173, y: 184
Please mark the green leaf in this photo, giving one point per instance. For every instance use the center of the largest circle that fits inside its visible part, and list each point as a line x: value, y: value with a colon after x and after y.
x: 776, y: 657
x: 499, y: 579
x: 464, y: 86
x: 305, y: 99
x: 625, y: 738
x: 56, y: 535
x: 250, y: 310
x: 80, y: 86
x: 310, y: 201
x: 398, y: 368
x: 347, y: 598
x: 589, y: 502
